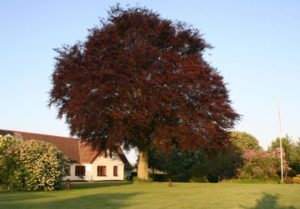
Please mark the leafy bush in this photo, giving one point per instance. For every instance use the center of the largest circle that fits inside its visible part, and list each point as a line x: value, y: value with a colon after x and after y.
x: 199, y: 179
x: 159, y: 177
x: 259, y: 164
x: 139, y: 181
x: 291, y: 154
x: 7, y: 161
x: 296, y: 179
x: 196, y: 166
x: 32, y: 165
x: 288, y: 180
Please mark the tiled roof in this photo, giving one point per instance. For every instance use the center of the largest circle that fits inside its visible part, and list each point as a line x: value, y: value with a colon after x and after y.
x: 87, y: 153
x: 76, y: 150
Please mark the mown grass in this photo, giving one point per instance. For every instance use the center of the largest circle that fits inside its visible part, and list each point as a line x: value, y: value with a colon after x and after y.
x: 158, y: 196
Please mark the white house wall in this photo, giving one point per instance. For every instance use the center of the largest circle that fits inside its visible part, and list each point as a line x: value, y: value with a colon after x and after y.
x: 91, y: 169
x: 88, y: 173
x: 109, y: 163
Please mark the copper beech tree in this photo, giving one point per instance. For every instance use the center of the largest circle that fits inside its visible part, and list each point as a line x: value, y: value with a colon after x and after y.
x: 139, y: 80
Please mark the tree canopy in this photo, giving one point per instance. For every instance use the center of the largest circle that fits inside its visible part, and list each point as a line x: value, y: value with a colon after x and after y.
x: 141, y: 80
x: 244, y: 141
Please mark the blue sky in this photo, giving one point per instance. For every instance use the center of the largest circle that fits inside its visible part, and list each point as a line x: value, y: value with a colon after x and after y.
x: 256, y: 49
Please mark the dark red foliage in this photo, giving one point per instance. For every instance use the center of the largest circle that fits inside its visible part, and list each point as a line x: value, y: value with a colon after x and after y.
x: 140, y: 80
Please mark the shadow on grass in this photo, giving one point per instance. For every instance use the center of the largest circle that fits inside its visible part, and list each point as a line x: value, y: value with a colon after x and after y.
x: 79, y: 201
x: 92, y: 185
x: 269, y: 201
x: 86, y: 185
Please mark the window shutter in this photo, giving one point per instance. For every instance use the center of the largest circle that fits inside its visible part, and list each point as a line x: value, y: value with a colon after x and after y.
x: 110, y: 153
x: 115, y: 170
x: 101, y: 170
x: 79, y: 170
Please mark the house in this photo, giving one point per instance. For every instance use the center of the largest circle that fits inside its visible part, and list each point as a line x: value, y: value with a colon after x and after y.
x: 86, y: 163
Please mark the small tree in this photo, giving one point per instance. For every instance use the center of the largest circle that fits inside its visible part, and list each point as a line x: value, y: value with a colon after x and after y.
x: 141, y: 81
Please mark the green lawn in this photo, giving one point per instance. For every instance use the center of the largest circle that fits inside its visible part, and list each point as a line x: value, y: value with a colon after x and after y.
x: 158, y: 195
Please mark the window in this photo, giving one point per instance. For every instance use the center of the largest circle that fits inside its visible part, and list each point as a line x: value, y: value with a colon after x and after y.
x: 101, y: 170
x: 79, y: 170
x: 115, y: 170
x: 110, y: 153
x: 68, y: 170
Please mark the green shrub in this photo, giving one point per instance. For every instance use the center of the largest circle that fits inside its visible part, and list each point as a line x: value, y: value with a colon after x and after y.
x: 288, y: 180
x: 41, y: 166
x: 137, y: 180
x: 296, y: 179
x: 161, y: 177
x: 202, y: 179
x: 31, y: 165
x: 259, y: 165
x: 8, y: 164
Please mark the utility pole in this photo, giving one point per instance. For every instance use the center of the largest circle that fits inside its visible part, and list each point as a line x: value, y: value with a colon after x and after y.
x: 280, y: 142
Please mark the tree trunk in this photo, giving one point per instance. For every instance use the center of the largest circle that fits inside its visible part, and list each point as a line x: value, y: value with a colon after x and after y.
x: 142, y: 172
